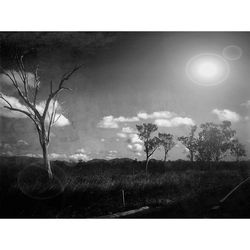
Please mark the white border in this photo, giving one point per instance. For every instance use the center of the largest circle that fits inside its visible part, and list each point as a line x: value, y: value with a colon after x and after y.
x: 124, y: 234
x: 129, y: 15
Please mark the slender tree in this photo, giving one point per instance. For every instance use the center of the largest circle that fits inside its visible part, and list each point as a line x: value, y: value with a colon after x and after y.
x: 237, y: 149
x: 190, y: 142
x: 167, y: 142
x: 42, y: 117
x: 150, y: 144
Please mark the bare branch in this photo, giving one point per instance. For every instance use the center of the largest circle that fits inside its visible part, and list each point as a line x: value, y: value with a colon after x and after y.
x: 51, y: 87
x: 58, y: 117
x: 51, y: 118
x: 29, y: 114
x: 36, y: 85
x: 60, y: 88
x: 22, y: 74
x: 21, y: 94
x: 66, y: 76
x: 66, y: 88
x: 2, y: 97
x: 153, y: 151
x: 24, y: 112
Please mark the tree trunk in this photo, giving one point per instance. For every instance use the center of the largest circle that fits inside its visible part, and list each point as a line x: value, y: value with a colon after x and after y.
x: 217, y: 158
x: 191, y: 156
x: 237, y: 158
x: 147, y: 160
x: 165, y: 157
x: 46, y: 159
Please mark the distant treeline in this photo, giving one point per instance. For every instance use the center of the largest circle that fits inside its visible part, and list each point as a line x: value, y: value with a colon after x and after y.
x: 212, y: 143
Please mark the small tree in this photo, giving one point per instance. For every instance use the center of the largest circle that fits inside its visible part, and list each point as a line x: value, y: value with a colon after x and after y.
x: 237, y: 149
x: 214, y: 141
x: 42, y: 117
x: 150, y: 144
x: 190, y: 142
x: 167, y: 142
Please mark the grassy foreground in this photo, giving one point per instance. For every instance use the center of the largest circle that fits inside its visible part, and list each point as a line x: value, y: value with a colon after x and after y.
x: 94, y: 188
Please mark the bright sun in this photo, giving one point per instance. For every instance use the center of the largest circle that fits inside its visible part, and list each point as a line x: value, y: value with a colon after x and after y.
x: 207, y: 69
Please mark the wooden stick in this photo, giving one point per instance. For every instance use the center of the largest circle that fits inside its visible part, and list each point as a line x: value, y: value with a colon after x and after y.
x: 126, y: 213
x: 234, y: 189
x: 123, y: 198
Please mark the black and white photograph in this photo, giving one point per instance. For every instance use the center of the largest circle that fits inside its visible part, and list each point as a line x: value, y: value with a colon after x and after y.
x: 125, y: 125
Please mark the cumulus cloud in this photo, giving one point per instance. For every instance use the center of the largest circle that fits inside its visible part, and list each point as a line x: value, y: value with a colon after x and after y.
x: 113, y: 122
x: 246, y: 104
x: 135, y: 148
x: 60, y: 119
x: 79, y: 156
x: 174, y: 122
x: 31, y: 155
x: 109, y: 157
x: 81, y: 151
x: 185, y: 150
x: 58, y: 156
x: 8, y: 153
x: 134, y: 138
x: 126, y: 119
x: 134, y: 143
x: 111, y: 154
x: 131, y: 137
x: 113, y: 151
x: 122, y: 135
x: 108, y: 122
x: 162, y: 119
x: 226, y: 114
x: 128, y: 130
x: 6, y: 146
x: 15, y: 104
x: 155, y: 115
x: 6, y: 80
x: 22, y: 143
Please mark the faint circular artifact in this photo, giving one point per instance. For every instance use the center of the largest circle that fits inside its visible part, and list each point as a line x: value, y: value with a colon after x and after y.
x: 207, y: 69
x: 232, y: 52
x: 34, y: 182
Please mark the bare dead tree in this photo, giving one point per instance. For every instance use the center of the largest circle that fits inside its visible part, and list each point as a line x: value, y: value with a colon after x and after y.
x: 44, y: 120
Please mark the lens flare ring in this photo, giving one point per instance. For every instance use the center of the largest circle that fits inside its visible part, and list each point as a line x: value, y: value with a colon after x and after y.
x: 232, y: 52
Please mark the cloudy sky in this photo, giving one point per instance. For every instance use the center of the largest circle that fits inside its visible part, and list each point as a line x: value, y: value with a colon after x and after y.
x: 127, y: 79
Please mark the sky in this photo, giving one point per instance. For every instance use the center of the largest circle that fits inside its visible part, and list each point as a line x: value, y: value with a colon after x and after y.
x: 128, y: 79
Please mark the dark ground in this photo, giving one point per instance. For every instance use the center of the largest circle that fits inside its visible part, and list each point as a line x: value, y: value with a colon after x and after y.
x: 205, y: 206
x: 177, y: 189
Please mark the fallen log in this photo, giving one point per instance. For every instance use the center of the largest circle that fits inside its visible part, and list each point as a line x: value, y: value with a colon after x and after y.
x: 234, y: 189
x: 229, y: 194
x: 126, y: 213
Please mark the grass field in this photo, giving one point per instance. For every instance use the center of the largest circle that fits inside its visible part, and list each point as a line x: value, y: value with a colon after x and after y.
x: 94, y: 188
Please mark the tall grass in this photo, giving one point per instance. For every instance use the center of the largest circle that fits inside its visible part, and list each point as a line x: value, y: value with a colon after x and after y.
x: 95, y: 189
